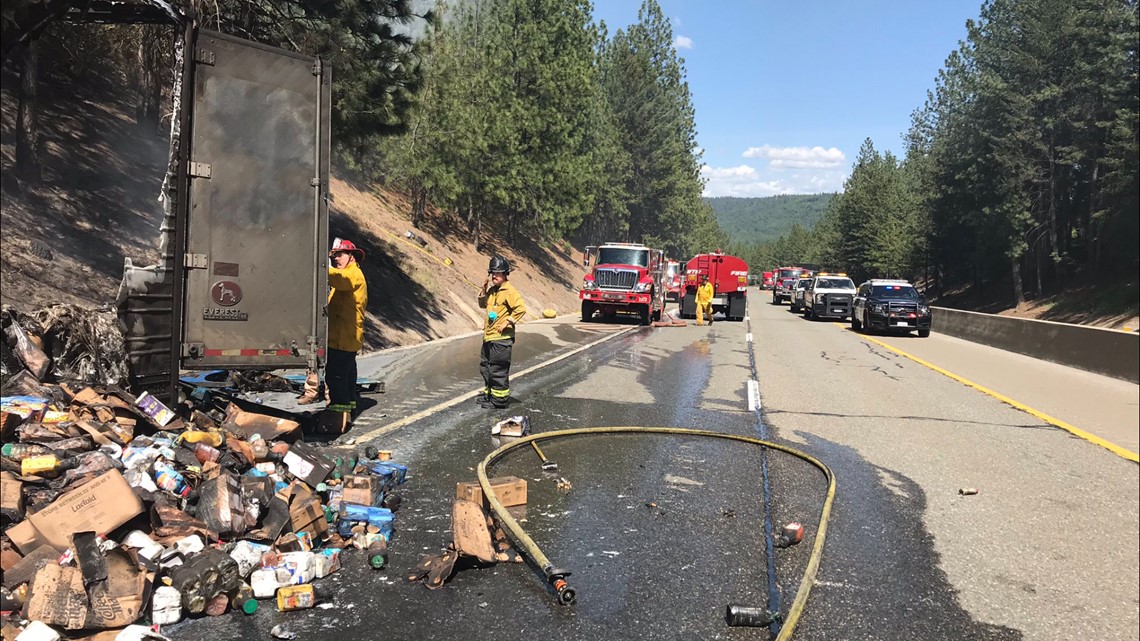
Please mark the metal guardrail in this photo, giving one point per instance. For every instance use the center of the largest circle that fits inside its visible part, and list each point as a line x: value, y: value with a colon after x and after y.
x: 1103, y: 351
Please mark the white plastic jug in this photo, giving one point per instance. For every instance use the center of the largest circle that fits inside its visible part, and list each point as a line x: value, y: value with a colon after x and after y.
x: 38, y: 631
x: 264, y: 582
x: 301, y: 566
x: 166, y: 606
x: 248, y: 556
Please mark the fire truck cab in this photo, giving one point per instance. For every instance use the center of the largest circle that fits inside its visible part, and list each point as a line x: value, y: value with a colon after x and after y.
x: 626, y: 278
x: 729, y: 276
x: 673, y: 281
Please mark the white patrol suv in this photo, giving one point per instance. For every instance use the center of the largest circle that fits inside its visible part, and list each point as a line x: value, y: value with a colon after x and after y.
x: 829, y: 296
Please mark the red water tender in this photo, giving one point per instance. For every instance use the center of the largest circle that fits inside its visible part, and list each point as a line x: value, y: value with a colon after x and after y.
x: 729, y: 276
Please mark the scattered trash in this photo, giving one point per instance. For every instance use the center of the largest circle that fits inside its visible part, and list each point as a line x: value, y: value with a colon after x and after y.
x: 968, y: 491
x: 564, y: 485
x: 415, y: 239
x: 513, y: 426
x: 226, y: 506
x: 281, y: 632
x: 745, y: 616
x: 728, y: 513
x: 792, y: 534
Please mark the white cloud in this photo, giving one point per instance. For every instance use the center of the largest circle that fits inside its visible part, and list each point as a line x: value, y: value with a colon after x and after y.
x: 798, y: 157
x: 746, y: 181
x: 683, y: 42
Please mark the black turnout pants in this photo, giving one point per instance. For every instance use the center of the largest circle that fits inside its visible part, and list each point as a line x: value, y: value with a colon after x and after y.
x: 340, y: 377
x: 495, y: 366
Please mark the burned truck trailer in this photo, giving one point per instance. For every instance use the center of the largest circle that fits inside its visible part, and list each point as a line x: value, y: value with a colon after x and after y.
x: 243, y: 283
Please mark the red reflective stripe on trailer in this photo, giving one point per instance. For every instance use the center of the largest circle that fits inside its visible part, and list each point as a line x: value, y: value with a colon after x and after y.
x: 248, y: 352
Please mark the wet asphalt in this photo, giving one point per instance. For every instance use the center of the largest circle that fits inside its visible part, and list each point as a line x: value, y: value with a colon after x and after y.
x: 661, y: 532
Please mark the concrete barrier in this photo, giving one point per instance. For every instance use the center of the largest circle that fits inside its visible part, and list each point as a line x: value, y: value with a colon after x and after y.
x: 1094, y: 349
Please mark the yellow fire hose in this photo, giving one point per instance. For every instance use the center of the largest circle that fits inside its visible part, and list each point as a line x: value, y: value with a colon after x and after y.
x: 557, y: 577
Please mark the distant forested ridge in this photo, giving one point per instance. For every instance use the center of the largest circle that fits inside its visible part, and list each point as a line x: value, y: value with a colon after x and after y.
x: 756, y: 220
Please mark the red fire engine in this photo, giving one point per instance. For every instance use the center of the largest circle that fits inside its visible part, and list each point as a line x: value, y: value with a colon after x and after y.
x: 729, y: 276
x: 672, y: 281
x: 626, y: 278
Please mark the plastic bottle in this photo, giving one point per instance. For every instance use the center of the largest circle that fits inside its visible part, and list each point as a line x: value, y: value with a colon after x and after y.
x: 243, y: 597
x: 213, y: 439
x: 259, y: 448
x: 170, y: 479
x: 378, y: 553
x: 296, y: 597
x: 20, y: 451
x: 47, y: 465
x: 206, y: 453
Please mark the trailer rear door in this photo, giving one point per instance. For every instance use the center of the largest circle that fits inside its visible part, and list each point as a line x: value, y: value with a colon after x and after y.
x: 255, y: 282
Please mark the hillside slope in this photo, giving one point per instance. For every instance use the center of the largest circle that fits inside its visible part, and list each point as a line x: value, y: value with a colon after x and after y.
x: 754, y: 220
x: 413, y: 294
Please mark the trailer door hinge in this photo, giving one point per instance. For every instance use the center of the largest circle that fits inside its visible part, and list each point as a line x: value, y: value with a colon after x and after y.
x: 200, y: 170
x: 317, y: 67
x: 196, y: 261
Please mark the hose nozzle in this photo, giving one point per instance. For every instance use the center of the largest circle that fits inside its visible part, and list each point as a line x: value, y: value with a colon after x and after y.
x: 566, y: 594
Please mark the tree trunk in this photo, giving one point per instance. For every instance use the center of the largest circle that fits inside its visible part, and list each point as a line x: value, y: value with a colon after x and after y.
x: 1018, y: 288
x: 148, y: 86
x: 1051, y: 210
x: 1091, y: 240
x: 27, y: 116
x: 1039, y: 255
x: 419, y: 204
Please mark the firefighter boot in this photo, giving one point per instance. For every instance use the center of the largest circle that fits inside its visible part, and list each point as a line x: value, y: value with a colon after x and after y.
x: 312, y: 393
x: 333, y: 422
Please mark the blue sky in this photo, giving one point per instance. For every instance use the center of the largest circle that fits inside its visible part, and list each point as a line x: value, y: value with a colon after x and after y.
x: 786, y: 92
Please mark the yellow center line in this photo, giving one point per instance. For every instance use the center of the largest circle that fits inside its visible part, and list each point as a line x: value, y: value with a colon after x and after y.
x: 1072, y: 429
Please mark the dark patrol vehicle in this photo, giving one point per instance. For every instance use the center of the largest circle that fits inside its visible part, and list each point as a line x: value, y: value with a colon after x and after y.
x: 890, y: 306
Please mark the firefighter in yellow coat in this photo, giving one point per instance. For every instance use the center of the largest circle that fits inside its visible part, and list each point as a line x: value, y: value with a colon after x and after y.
x: 704, y: 301
x: 348, y: 297
x: 505, y: 308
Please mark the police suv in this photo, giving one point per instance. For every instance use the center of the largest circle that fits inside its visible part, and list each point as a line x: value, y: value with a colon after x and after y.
x: 829, y: 296
x: 890, y: 306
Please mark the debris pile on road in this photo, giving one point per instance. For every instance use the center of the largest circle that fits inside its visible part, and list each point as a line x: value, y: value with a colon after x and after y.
x: 119, y: 510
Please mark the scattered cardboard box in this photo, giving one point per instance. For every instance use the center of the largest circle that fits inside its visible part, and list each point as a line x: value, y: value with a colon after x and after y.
x: 307, y: 463
x: 510, y: 490
x: 100, y: 505
x: 469, y: 530
x: 246, y: 424
x: 220, y: 504
x: 27, y: 567
x: 58, y: 597
x: 11, y: 497
x: 362, y: 490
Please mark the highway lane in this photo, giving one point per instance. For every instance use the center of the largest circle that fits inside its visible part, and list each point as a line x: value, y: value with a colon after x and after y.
x: 1106, y: 407
x: 1046, y: 550
x: 661, y: 532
